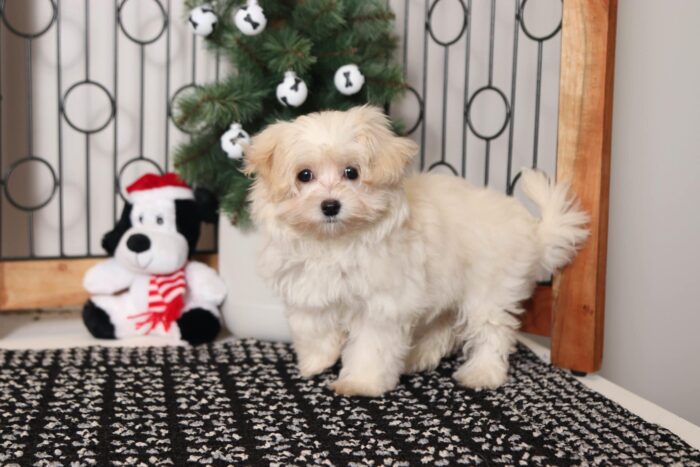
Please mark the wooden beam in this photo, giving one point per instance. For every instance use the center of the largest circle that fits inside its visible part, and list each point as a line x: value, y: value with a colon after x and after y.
x: 51, y: 283
x: 585, y: 116
x: 537, y: 318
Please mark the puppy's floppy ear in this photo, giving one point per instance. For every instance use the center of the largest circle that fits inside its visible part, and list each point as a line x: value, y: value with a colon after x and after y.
x: 110, y: 240
x: 389, y: 154
x: 258, y: 155
x: 207, y: 205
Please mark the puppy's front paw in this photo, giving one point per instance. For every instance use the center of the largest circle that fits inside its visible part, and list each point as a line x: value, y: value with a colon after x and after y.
x: 482, y: 374
x: 314, y: 364
x: 348, y: 386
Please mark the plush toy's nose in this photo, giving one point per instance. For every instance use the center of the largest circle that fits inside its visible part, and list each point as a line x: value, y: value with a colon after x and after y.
x: 138, y: 243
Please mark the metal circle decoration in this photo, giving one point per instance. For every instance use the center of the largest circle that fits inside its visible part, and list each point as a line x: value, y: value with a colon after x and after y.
x: 421, y: 111
x: 528, y: 33
x: 26, y: 34
x: 129, y: 163
x: 437, y: 164
x: 171, y: 107
x: 132, y: 37
x: 98, y: 127
x: 511, y: 188
x: 470, y: 105
x: 461, y: 31
x: 27, y: 206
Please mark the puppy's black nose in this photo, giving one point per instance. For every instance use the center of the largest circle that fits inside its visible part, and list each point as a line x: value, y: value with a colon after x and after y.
x: 330, y: 207
x: 138, y: 243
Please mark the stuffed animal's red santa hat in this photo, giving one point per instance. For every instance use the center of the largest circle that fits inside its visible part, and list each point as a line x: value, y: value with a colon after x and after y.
x: 151, y: 187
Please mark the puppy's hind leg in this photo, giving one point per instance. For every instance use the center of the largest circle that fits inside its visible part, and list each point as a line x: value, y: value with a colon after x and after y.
x: 489, y: 340
x: 318, y: 340
x: 431, y: 341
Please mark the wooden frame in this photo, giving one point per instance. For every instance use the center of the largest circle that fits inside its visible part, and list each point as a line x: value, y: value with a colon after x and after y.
x: 570, y: 311
x: 51, y: 283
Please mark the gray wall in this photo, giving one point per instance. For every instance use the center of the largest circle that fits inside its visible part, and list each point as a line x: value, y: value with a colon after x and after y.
x: 652, y: 340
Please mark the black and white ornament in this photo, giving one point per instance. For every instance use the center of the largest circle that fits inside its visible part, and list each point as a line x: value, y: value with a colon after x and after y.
x: 250, y: 19
x: 349, y: 79
x: 292, y: 91
x: 234, y: 140
x: 202, y: 20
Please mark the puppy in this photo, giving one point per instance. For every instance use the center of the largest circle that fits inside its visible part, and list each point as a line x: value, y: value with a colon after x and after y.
x: 389, y: 272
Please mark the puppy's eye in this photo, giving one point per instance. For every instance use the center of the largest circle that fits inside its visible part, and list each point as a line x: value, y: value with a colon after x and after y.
x: 351, y: 173
x: 159, y: 220
x: 305, y: 176
x: 140, y: 218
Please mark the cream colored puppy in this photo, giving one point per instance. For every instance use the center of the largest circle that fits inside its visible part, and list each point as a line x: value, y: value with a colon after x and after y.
x: 393, y: 273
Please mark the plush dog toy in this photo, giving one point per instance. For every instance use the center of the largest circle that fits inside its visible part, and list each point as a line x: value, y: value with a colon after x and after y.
x: 162, y: 292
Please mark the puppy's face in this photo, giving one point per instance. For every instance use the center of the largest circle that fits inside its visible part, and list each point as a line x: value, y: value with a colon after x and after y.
x: 327, y: 173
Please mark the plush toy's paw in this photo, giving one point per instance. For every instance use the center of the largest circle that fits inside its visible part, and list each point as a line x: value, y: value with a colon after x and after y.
x: 97, y: 321
x: 198, y: 326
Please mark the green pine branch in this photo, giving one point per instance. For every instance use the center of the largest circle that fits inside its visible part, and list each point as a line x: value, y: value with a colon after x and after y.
x: 311, y: 37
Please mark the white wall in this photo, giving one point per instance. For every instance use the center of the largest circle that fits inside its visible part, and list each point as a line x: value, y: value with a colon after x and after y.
x: 652, y: 342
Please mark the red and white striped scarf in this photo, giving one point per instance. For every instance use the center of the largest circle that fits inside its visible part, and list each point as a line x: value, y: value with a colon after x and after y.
x: 166, y: 298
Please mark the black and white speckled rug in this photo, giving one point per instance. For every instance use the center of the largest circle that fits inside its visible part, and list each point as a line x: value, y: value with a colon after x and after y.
x: 244, y: 403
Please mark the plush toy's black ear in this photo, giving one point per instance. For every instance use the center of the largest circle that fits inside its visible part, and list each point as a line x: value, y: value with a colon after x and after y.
x: 207, y: 205
x: 111, y: 238
x: 188, y: 221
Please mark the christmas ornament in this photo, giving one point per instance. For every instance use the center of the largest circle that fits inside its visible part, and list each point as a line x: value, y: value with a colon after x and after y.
x: 234, y: 140
x: 250, y: 19
x: 349, y: 79
x: 202, y: 20
x: 292, y: 91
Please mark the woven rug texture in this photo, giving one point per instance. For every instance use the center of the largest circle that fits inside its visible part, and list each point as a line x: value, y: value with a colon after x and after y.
x: 243, y: 402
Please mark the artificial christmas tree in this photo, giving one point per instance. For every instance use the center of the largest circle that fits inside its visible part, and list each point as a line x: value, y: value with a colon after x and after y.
x: 302, y: 56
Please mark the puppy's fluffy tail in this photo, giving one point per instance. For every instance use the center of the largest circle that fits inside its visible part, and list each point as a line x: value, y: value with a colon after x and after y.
x: 562, y: 228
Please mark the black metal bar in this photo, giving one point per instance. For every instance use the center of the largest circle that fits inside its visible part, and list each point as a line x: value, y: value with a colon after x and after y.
x: 59, y: 92
x: 30, y: 134
x: 404, y: 61
x: 445, y: 70
x: 30, y: 103
x: 538, y: 98
x: 167, y: 92
x: 142, y: 84
x: 88, y: 218
x: 514, y: 78
x: 30, y: 233
x: 115, y: 77
x: 194, y: 58
x: 425, y: 84
x: 492, y: 40
x: 87, y: 40
x: 465, y: 129
x: 194, y: 66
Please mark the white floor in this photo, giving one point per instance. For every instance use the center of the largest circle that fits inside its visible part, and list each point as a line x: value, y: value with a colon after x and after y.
x: 63, y: 328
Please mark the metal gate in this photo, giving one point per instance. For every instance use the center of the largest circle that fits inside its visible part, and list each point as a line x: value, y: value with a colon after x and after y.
x: 88, y: 86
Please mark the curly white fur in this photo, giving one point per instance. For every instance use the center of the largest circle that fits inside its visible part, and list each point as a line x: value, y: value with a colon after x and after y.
x: 411, y: 268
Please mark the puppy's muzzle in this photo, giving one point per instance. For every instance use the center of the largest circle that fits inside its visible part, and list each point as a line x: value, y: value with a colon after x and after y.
x: 330, y: 207
x: 138, y: 243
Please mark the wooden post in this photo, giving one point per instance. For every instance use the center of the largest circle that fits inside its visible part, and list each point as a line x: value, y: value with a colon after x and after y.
x: 585, y: 114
